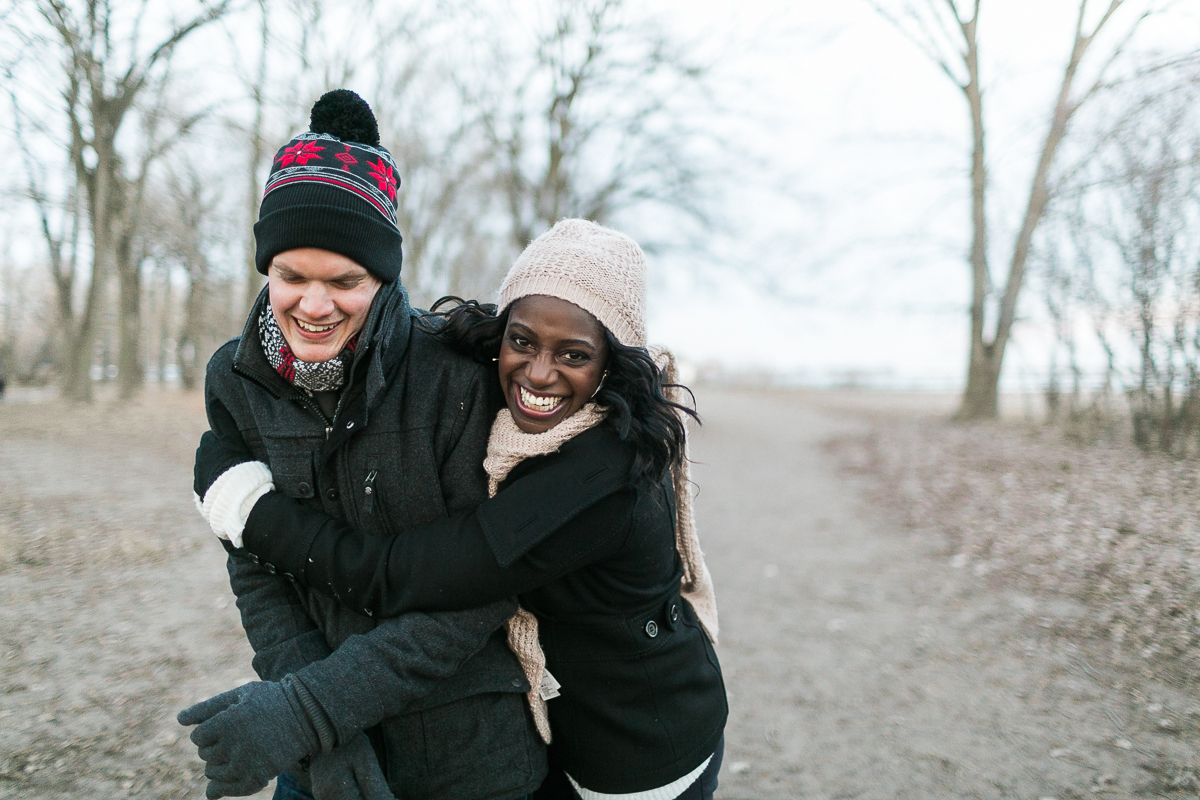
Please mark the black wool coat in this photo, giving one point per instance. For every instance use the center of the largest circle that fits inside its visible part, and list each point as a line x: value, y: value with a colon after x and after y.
x: 591, y: 551
x: 440, y: 694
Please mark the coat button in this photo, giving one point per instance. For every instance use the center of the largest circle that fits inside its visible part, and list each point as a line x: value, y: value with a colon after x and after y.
x: 304, y: 488
x: 516, y: 682
x: 349, y: 424
x: 652, y: 629
x: 674, y: 614
x: 331, y: 493
x: 270, y: 568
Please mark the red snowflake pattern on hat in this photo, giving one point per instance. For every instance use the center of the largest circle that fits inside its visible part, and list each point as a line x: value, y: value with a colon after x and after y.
x: 381, y: 171
x: 301, y: 153
x: 346, y: 158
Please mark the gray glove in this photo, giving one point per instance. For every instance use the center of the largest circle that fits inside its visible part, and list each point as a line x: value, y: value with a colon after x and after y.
x: 349, y: 772
x: 249, y: 735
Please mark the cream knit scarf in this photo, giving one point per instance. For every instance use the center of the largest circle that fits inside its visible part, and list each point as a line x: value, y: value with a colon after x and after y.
x: 509, y: 446
x: 697, y: 586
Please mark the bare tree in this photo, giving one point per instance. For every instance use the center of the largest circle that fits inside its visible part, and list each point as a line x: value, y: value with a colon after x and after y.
x: 947, y: 31
x: 105, y: 70
x: 1123, y: 224
x: 594, y: 120
x: 161, y: 130
x: 187, y: 239
x: 256, y: 87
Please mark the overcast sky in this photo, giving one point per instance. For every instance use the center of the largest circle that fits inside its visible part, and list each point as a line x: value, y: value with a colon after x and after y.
x: 863, y: 268
x: 878, y: 138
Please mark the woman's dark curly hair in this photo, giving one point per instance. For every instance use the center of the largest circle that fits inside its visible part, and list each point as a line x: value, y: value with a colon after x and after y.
x: 633, y: 391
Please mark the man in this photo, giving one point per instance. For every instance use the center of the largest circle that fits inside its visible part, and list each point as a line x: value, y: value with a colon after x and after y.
x: 368, y: 417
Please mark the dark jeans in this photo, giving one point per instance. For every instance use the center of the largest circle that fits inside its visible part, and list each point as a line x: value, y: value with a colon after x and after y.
x: 557, y: 787
x: 286, y: 788
x: 706, y: 785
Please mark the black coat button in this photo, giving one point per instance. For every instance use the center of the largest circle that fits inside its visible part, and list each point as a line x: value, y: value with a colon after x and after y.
x: 304, y: 488
x: 516, y: 682
x: 652, y: 629
x: 270, y: 568
x: 674, y: 613
x: 331, y: 493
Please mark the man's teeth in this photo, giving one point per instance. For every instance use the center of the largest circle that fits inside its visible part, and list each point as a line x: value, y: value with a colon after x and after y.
x: 315, y: 328
x: 535, y: 403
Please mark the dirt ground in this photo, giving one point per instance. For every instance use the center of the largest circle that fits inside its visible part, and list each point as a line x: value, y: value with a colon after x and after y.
x: 860, y: 662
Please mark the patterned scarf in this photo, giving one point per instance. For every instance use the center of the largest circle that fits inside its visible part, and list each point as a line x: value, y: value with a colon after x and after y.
x: 315, y: 376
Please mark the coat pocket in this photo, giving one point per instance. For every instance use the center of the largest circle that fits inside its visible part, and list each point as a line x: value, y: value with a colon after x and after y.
x: 394, y: 480
x: 293, y: 473
x: 479, y: 746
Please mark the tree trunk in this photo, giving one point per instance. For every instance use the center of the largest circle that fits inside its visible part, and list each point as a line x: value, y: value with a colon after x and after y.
x: 980, y: 399
x: 188, y: 350
x: 130, y: 375
x: 81, y: 342
x: 254, y: 279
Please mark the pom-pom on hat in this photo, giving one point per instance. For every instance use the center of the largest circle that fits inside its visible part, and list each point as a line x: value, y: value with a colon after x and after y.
x: 598, y: 269
x: 333, y: 188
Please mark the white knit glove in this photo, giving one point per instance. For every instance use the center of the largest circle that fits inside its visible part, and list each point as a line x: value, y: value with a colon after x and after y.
x: 228, y: 503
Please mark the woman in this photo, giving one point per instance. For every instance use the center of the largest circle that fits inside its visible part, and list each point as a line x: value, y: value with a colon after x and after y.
x: 614, y: 587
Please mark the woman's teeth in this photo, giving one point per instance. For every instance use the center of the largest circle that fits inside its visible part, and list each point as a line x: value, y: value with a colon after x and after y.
x: 315, y: 328
x: 535, y: 403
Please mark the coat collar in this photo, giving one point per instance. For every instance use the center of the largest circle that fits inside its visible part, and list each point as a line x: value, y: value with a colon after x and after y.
x: 382, y: 344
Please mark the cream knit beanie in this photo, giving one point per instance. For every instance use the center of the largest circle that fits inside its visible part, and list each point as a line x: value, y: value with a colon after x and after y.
x: 598, y: 269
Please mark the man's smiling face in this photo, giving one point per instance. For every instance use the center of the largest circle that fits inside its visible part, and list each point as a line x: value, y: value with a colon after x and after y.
x: 320, y: 300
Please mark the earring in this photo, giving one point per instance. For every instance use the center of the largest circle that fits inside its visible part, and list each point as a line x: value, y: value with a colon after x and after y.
x: 600, y: 385
x: 497, y: 358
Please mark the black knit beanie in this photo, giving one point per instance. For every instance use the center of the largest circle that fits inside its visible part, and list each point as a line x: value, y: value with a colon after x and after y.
x: 333, y: 188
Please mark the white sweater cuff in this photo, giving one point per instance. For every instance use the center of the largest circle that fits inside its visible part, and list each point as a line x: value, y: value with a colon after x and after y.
x: 231, y: 498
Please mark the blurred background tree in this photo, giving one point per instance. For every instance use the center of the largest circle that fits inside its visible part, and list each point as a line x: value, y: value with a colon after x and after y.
x: 143, y: 133
x: 133, y: 145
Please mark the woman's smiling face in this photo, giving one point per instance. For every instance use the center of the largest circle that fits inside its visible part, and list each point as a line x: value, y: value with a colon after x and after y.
x: 552, y: 359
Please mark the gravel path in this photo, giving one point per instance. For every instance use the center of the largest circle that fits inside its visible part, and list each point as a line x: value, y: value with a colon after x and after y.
x: 860, y: 663
x: 115, y: 610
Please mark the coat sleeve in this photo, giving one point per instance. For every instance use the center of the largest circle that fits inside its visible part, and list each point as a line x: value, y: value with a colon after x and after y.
x: 284, y: 638
x: 393, y: 668
x: 447, y: 564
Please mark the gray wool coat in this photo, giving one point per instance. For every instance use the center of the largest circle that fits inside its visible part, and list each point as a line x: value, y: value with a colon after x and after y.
x: 440, y: 694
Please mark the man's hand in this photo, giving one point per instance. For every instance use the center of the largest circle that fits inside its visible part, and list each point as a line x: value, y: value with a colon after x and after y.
x: 349, y: 772
x: 249, y: 735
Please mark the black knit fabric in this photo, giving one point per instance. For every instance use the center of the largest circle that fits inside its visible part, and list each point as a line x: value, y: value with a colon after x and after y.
x: 334, y: 193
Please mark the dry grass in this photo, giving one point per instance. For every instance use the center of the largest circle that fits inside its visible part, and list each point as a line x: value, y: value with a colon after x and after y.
x: 1113, y: 529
